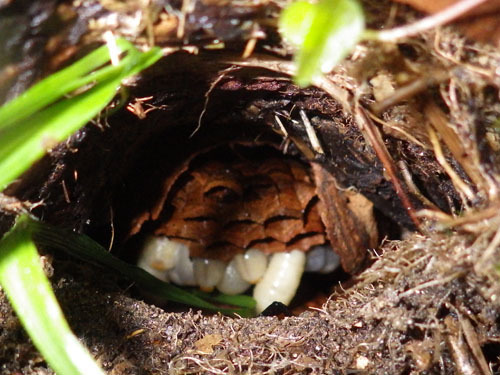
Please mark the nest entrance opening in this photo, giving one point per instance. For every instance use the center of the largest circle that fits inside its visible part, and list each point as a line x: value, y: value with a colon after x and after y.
x: 262, y: 198
x: 236, y: 215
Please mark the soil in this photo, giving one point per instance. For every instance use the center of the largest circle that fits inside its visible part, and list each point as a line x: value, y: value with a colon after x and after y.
x: 411, y: 125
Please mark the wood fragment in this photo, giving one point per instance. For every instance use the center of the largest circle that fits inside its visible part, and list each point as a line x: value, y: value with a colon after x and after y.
x: 373, y: 136
x: 313, y: 138
x: 475, y: 347
x: 349, y: 233
x: 463, y: 358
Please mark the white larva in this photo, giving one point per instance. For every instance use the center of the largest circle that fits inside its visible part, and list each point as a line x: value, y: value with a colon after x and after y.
x: 183, y: 272
x: 322, y: 259
x: 232, y: 283
x: 208, y: 273
x: 276, y: 280
x: 158, y: 256
x: 252, y: 265
x: 281, y: 279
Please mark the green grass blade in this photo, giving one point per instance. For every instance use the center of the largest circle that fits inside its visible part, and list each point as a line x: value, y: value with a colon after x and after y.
x: 240, y: 300
x: 88, y: 250
x: 28, y: 125
x: 142, y: 60
x: 59, y: 84
x: 24, y: 144
x: 25, y: 141
x: 30, y: 293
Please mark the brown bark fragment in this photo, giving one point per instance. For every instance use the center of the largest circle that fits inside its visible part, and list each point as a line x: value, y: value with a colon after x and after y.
x: 350, y: 233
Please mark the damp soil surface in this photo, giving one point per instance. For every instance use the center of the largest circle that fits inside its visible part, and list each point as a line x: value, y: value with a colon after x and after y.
x: 410, y: 125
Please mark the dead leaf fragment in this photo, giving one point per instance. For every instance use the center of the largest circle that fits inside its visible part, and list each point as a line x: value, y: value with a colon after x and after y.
x: 206, y: 344
x: 348, y: 220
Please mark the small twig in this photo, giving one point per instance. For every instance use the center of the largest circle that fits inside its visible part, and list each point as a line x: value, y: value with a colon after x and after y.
x: 112, y: 224
x: 397, y: 129
x: 282, y: 127
x: 460, y: 185
x: 410, y: 90
x: 411, y: 185
x: 313, y: 138
x: 255, y: 35
x: 249, y: 48
x: 207, y: 96
x: 438, y: 19
x: 372, y: 135
x: 65, y: 191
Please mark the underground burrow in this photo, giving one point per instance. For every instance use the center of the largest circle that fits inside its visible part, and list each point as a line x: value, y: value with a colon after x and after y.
x: 239, y: 215
x: 210, y: 177
x: 224, y: 202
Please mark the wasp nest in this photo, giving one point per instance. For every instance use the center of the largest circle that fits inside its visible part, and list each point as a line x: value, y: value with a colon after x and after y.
x: 244, y: 215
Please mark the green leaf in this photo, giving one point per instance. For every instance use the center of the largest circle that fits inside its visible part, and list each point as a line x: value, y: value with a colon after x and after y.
x: 323, y: 33
x: 31, y: 296
x: 26, y: 139
x: 86, y: 249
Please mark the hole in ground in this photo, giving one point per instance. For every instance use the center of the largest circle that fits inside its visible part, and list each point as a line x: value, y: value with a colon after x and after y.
x: 273, y: 188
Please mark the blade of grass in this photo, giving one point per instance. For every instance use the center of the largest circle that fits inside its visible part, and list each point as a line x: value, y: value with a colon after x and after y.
x: 86, y: 249
x: 37, y: 122
x: 31, y: 296
x: 24, y: 142
x: 240, y: 300
x: 61, y: 83
x: 26, y: 123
